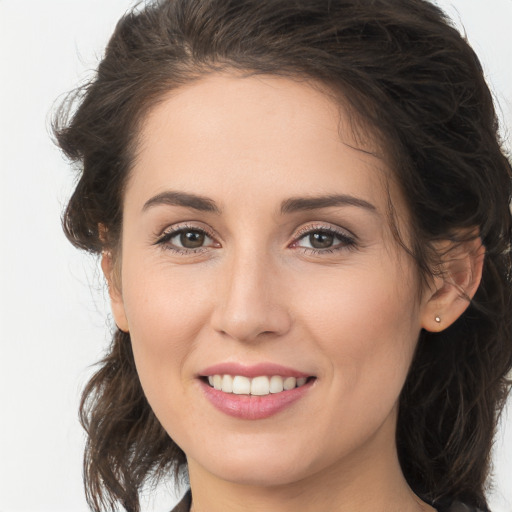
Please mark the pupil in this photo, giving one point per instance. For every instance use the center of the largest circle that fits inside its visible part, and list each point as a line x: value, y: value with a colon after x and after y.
x: 321, y: 240
x: 191, y: 239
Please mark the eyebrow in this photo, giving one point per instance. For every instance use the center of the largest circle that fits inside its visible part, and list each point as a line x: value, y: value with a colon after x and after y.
x: 295, y: 204
x: 172, y: 198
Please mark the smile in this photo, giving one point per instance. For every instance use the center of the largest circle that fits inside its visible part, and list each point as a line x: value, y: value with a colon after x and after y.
x: 254, y: 392
x: 259, y: 386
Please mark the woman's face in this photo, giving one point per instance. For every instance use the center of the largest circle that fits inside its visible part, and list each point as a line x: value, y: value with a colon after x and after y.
x: 256, y: 245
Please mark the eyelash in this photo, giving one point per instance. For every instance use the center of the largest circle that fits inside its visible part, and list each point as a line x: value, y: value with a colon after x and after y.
x: 345, y: 241
x: 165, y: 238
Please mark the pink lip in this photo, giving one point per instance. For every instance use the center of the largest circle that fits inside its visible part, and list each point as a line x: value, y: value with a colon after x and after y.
x: 257, y: 370
x: 249, y: 407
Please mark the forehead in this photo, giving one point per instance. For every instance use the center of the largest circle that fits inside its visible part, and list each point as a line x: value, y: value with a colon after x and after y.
x: 261, y: 134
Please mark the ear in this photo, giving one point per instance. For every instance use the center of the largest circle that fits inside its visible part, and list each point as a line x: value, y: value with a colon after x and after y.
x: 114, y: 291
x: 455, y: 286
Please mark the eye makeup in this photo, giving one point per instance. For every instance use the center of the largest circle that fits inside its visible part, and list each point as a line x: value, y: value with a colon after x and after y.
x: 323, y: 239
x: 316, y: 238
x: 186, y: 239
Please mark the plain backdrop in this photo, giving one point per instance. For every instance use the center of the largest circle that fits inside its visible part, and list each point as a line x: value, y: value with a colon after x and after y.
x: 53, y: 314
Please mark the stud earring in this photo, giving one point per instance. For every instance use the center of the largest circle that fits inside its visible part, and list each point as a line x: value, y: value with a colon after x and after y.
x: 438, y: 319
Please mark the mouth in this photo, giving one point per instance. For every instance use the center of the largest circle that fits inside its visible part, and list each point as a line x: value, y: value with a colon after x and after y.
x: 261, y: 385
x: 254, y: 392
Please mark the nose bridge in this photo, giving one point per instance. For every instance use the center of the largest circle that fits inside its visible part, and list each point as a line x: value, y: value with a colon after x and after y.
x: 249, y: 303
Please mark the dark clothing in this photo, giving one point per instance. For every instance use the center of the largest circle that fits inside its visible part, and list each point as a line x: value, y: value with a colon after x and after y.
x: 457, y: 506
x: 184, y: 506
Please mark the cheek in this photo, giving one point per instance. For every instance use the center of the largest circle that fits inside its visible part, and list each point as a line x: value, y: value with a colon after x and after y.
x: 367, y: 326
x: 162, y: 298
x: 166, y: 311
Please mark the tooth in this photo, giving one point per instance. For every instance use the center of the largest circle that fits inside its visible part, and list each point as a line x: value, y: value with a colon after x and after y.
x: 289, y: 383
x: 260, y: 386
x: 217, y: 382
x: 276, y: 384
x: 241, y: 385
x: 210, y: 380
x: 301, y: 381
x: 227, y: 384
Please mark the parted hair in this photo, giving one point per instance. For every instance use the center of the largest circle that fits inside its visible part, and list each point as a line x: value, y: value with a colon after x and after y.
x: 415, y: 84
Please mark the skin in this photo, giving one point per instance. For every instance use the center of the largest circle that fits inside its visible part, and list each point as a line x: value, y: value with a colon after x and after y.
x: 255, y: 291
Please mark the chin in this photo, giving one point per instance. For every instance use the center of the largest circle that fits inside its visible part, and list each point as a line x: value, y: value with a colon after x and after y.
x: 254, y: 467
x: 263, y: 475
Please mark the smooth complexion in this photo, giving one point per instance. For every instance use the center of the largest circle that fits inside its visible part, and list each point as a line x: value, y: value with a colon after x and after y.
x: 256, y: 233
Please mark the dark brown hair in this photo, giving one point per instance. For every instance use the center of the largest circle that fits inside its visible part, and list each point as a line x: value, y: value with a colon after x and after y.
x: 408, y: 75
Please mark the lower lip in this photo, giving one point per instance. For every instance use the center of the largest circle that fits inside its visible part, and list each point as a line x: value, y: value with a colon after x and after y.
x: 252, y: 407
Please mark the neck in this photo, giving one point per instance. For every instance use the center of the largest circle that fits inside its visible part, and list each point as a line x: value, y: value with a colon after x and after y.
x: 369, y: 480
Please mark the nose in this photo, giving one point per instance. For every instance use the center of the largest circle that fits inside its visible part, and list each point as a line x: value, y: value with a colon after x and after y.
x: 250, y: 304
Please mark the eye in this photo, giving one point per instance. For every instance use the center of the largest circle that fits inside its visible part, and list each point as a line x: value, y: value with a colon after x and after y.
x: 186, y: 239
x: 320, y: 239
x: 190, y: 239
x: 323, y: 239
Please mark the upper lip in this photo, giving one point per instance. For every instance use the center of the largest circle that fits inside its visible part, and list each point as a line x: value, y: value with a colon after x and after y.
x: 251, y: 371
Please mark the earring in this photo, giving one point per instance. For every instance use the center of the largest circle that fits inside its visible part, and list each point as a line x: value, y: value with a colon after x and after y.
x: 438, y: 319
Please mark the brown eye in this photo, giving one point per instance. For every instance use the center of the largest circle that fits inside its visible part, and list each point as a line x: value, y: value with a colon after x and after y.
x: 192, y: 239
x: 185, y: 240
x: 321, y: 240
x: 324, y: 240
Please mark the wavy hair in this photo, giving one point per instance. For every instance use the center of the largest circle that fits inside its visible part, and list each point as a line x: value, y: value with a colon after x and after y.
x: 411, y: 79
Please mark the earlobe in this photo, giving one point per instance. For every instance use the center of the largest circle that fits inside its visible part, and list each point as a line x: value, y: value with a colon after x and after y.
x: 114, y: 291
x: 456, y: 284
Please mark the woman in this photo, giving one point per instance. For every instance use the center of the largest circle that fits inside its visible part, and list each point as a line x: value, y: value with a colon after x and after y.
x: 302, y: 214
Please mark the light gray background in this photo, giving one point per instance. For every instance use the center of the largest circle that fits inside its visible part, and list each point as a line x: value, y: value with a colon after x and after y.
x: 53, y: 309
